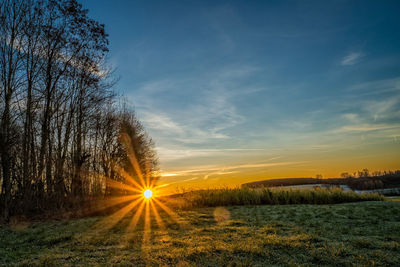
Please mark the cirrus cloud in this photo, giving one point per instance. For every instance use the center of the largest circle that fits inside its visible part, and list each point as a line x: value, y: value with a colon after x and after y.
x: 351, y: 58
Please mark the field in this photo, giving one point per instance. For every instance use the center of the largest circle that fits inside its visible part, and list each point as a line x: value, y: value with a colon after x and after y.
x: 362, y: 233
x: 262, y: 196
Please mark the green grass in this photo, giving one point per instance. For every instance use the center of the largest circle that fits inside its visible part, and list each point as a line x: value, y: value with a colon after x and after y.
x: 363, y: 233
x: 247, y: 196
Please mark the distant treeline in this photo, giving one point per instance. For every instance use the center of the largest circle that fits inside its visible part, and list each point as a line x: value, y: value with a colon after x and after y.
x: 63, y: 135
x: 361, y: 180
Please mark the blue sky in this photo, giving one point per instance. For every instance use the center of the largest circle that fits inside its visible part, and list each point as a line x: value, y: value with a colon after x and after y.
x: 233, y: 91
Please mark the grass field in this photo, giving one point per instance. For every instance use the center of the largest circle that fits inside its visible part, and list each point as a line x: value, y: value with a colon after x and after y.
x: 363, y: 233
x: 269, y: 196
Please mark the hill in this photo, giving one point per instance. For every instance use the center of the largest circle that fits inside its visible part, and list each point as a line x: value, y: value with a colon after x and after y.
x: 386, y: 180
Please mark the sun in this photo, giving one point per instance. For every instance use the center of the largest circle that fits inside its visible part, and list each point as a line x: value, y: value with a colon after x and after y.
x: 148, y: 193
x: 145, y: 199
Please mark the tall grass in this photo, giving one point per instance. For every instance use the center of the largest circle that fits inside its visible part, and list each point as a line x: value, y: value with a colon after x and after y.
x: 267, y: 196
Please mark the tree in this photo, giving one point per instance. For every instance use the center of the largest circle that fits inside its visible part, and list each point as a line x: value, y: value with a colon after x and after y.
x: 363, y: 173
x: 345, y: 175
x: 11, y: 34
x: 139, y: 154
x: 61, y: 131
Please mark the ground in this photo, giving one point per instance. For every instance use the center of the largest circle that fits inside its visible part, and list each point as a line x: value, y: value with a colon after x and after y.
x: 366, y: 233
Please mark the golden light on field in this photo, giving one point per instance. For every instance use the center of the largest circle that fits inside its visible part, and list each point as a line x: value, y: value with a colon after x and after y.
x: 148, y: 193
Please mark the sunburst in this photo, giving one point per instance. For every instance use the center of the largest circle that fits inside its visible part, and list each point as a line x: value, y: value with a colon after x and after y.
x: 148, y: 193
x: 143, y: 198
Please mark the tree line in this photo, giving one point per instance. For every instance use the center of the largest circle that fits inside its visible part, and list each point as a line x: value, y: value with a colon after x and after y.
x: 360, y: 180
x: 64, y: 136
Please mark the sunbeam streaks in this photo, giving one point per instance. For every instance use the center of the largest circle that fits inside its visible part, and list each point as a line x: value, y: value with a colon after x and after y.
x: 110, y: 221
x: 132, y: 158
x: 159, y: 221
x: 171, y: 213
x: 137, y: 207
x: 128, y: 178
x: 135, y: 218
x: 112, y: 201
x: 147, y: 225
x: 147, y: 174
x: 118, y: 185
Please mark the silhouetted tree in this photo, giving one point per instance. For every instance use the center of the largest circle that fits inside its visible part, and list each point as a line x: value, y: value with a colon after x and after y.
x: 60, y: 128
x: 345, y: 175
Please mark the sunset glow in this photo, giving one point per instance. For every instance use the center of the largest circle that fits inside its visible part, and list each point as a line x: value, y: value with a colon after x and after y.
x: 296, y: 98
x: 199, y: 133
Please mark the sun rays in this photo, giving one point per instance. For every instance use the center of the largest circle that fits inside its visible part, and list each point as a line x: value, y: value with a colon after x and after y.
x: 138, y: 200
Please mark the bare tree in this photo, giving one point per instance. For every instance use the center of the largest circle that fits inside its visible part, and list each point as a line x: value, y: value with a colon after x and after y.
x: 60, y: 127
x: 11, y: 34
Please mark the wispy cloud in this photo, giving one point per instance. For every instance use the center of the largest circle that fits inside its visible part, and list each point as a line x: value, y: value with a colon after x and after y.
x: 170, y: 154
x: 386, y: 109
x: 229, y: 168
x: 212, y: 172
x: 162, y: 122
x: 180, y: 112
x: 351, y: 58
x: 367, y: 128
x: 370, y: 87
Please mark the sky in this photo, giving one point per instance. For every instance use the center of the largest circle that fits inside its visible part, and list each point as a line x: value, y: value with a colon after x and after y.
x: 239, y: 91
